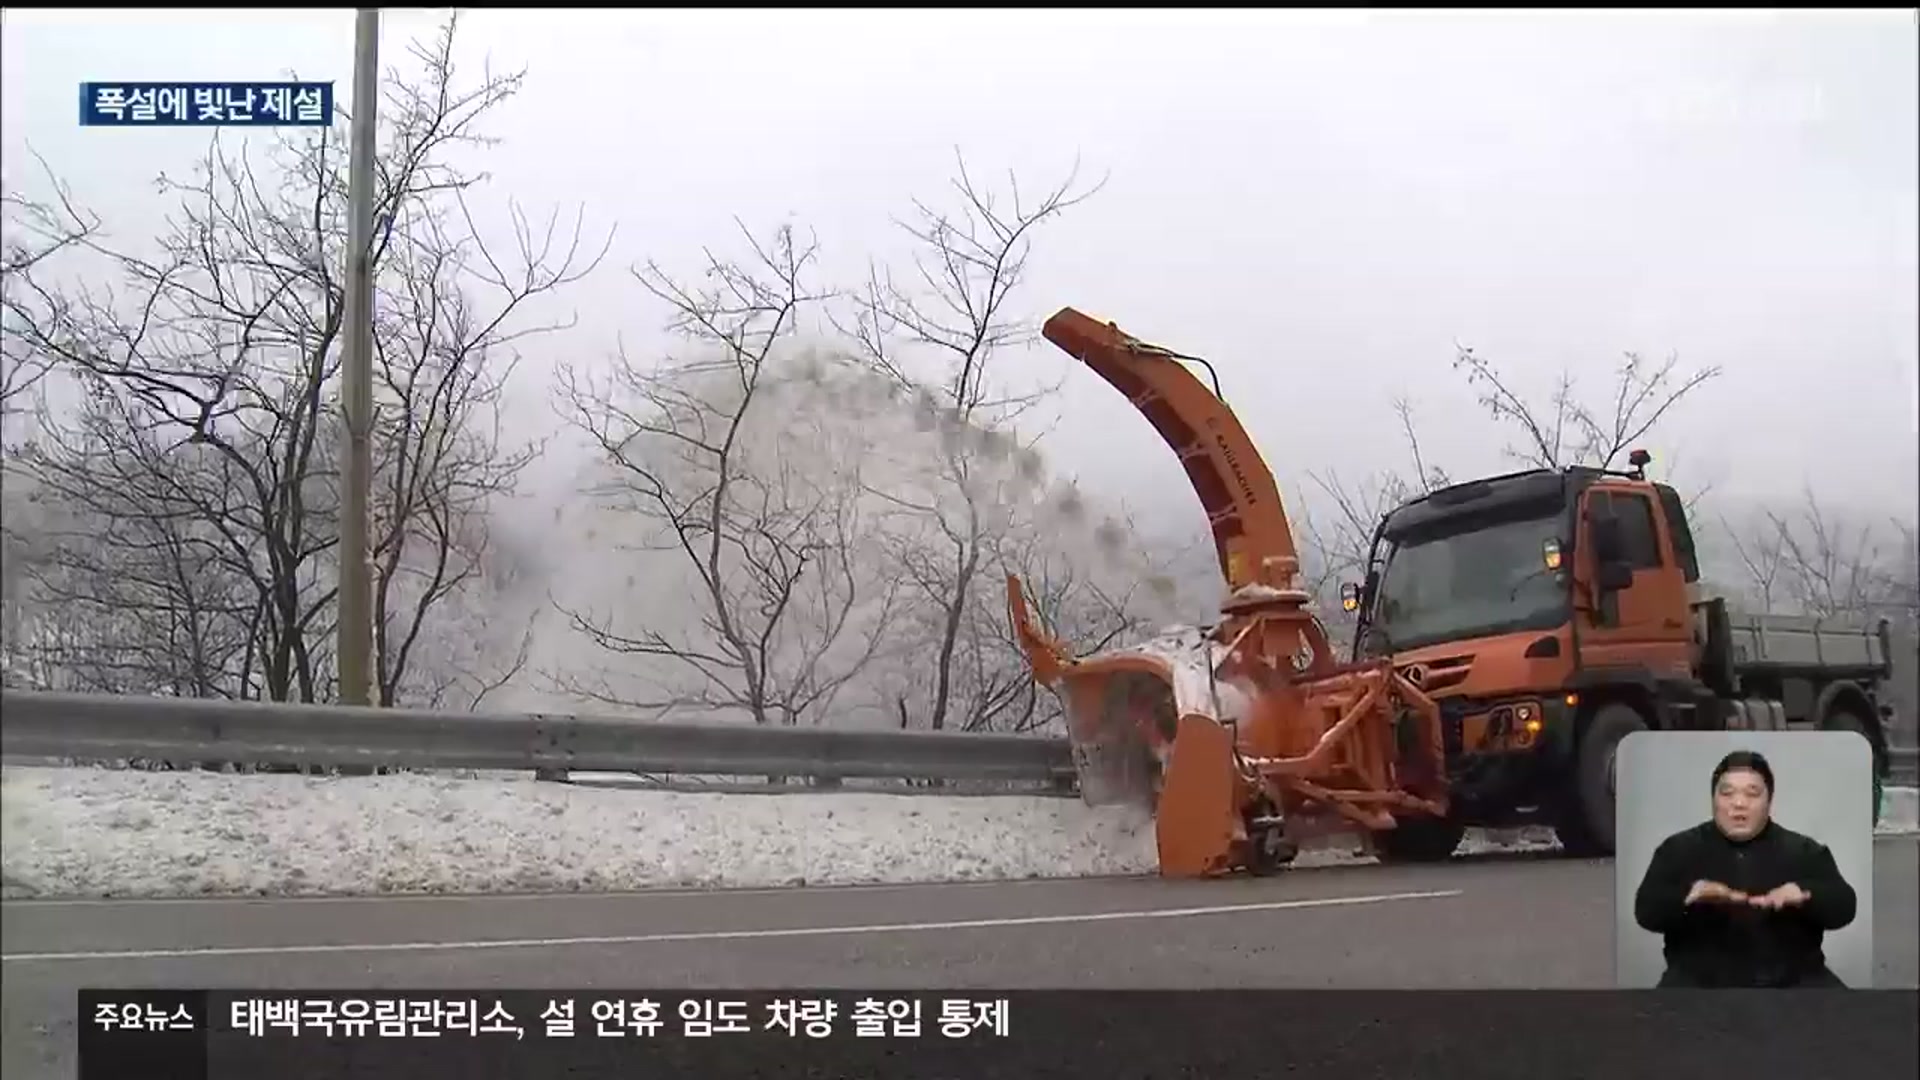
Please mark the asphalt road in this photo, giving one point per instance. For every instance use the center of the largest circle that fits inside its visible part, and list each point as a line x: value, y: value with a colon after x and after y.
x: 1491, y: 922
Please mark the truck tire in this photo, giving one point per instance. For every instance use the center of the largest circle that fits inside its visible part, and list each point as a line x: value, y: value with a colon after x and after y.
x: 1586, y: 828
x: 1269, y: 851
x: 1419, y: 840
x: 1842, y: 718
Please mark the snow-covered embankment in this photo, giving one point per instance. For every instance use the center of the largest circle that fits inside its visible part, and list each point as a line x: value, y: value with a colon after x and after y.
x: 108, y: 832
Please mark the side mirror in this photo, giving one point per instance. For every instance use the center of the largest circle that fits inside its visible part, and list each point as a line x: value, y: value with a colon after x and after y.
x: 1608, y: 543
x: 1614, y: 576
x: 1349, y: 596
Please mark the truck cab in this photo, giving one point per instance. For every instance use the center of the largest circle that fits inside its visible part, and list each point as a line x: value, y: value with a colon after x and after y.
x: 1553, y: 612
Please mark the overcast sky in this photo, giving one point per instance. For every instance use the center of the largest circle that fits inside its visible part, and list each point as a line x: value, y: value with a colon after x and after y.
x: 1322, y: 205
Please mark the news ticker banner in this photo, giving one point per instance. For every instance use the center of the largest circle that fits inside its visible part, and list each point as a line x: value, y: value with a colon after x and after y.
x: 206, y: 104
x: 909, y: 1035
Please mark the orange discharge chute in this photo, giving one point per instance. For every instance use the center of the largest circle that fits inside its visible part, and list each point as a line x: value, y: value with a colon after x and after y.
x: 1247, y: 737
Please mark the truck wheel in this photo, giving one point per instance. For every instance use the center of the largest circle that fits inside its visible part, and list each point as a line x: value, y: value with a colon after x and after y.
x: 1844, y: 719
x: 1269, y: 850
x: 1586, y: 827
x: 1419, y: 839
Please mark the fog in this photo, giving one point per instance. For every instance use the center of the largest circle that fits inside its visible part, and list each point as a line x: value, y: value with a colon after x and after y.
x: 1327, y: 207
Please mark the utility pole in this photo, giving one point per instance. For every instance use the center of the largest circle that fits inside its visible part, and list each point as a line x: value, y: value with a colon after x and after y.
x: 355, y: 603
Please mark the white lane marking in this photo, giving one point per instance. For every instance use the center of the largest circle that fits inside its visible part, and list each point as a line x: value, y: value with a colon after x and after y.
x: 733, y: 935
x: 550, y: 897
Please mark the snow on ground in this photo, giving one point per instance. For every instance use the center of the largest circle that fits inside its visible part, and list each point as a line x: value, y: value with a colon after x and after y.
x: 1900, y: 810
x: 101, y: 832
x: 104, y: 832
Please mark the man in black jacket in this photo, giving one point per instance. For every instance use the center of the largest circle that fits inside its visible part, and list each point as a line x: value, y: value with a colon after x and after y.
x: 1742, y: 900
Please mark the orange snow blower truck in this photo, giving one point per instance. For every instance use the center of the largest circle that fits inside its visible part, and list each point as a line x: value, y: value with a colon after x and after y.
x: 1248, y: 737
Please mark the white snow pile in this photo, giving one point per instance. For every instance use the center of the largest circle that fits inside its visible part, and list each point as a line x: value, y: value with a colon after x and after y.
x: 100, y: 832
x: 1192, y: 657
x: 1899, y: 811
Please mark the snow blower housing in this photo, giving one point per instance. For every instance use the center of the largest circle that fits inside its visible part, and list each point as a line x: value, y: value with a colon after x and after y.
x: 1249, y: 736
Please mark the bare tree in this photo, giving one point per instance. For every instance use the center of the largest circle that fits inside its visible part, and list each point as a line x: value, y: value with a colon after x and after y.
x: 1337, y: 541
x: 1762, y: 559
x: 1570, y: 431
x: 1814, y: 562
x: 951, y: 320
x: 1074, y: 600
x: 955, y: 317
x: 41, y: 230
x: 441, y: 456
x: 1566, y: 430
x: 469, y: 659
x: 205, y: 453
x: 132, y: 594
x: 1817, y: 563
x: 37, y: 231
x: 756, y: 501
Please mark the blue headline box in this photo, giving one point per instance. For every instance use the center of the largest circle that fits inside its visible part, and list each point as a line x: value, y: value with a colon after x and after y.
x: 206, y: 104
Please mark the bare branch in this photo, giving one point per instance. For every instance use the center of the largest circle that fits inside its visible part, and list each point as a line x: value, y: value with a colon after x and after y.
x: 41, y: 231
x: 707, y: 457
x: 951, y: 318
x: 202, y: 469
x: 1829, y: 567
x: 1640, y: 398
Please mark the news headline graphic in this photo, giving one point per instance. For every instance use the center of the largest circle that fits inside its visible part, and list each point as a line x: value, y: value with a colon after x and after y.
x: 206, y: 104
x: 928, y: 1034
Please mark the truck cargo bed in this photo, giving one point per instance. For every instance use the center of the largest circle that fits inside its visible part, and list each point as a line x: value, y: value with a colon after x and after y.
x: 1800, y: 643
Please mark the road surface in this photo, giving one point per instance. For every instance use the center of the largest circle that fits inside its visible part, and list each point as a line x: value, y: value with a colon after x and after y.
x: 1492, y: 922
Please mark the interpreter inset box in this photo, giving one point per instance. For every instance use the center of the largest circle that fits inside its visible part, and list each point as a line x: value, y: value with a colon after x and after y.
x: 1743, y: 859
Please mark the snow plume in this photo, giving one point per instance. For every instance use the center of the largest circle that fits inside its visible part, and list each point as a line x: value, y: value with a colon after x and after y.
x: 844, y: 492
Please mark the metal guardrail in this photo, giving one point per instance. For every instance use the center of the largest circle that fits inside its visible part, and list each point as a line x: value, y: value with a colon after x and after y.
x: 100, y: 727
x: 111, y: 728
x: 1904, y: 764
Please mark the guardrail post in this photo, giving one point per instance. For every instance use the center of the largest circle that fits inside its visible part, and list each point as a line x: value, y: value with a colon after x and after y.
x: 1903, y: 763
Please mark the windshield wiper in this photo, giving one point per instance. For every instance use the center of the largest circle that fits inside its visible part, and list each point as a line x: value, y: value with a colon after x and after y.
x: 1514, y: 593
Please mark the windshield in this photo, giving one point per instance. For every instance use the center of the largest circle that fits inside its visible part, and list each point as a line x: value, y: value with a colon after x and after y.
x: 1490, y: 578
